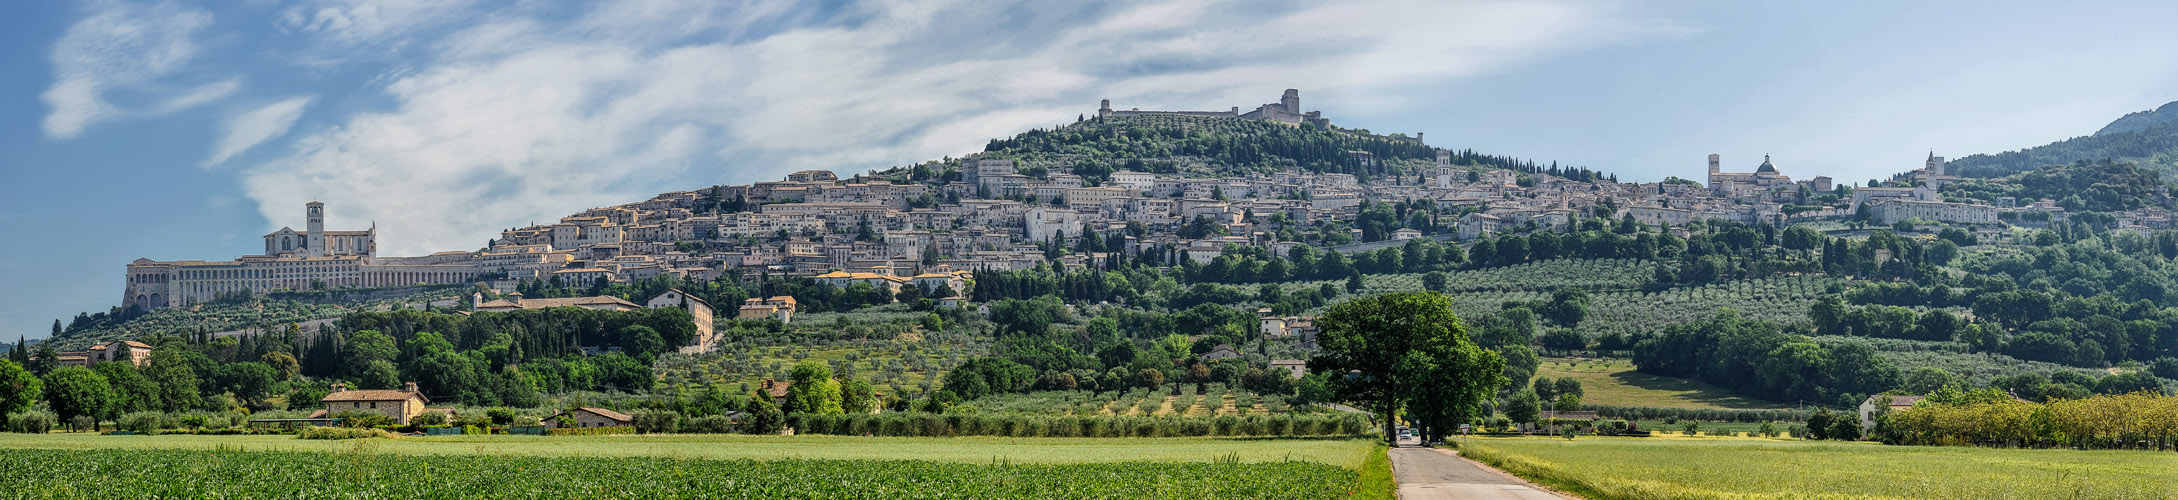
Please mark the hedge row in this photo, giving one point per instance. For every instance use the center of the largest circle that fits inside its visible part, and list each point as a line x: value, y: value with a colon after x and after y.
x: 1018, y: 425
x: 1705, y: 415
x: 589, y: 431
x: 2139, y: 420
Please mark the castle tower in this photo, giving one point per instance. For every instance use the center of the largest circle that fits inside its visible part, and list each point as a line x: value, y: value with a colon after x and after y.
x: 1292, y: 101
x: 315, y: 238
x: 1104, y: 107
x: 1716, y: 164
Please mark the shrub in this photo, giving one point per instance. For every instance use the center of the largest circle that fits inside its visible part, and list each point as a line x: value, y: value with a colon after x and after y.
x: 658, y: 422
x: 195, y: 421
x: 500, y: 416
x: 343, y: 433
x: 144, y: 422
x: 83, y: 423
x: 709, y: 424
x: 32, y: 422
x: 362, y: 419
x: 428, y: 420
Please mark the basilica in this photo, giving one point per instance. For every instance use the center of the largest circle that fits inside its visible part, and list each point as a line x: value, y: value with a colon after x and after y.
x: 306, y: 260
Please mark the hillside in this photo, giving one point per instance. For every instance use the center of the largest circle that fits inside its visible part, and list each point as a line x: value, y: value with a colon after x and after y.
x: 2142, y: 120
x: 1209, y: 147
x: 2147, y: 138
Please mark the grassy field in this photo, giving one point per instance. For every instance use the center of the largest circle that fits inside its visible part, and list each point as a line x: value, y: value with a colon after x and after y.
x: 1347, y: 453
x: 188, y: 474
x: 60, y: 465
x: 1736, y: 468
x: 1614, y: 382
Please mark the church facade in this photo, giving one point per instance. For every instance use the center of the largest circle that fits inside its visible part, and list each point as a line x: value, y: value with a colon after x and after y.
x: 293, y: 260
x: 1739, y: 185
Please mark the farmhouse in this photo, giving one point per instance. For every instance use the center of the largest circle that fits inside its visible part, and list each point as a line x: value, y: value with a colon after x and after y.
x: 1297, y: 367
x: 1884, y: 403
x: 588, y: 417
x: 698, y: 309
x: 402, y: 405
x: 777, y: 389
x: 781, y: 307
x: 132, y: 351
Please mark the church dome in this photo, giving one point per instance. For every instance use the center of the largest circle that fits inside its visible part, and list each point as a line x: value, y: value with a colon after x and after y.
x: 1766, y: 167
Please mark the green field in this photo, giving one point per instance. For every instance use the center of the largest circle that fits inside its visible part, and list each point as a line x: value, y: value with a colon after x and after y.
x: 192, y: 474
x: 1347, y: 453
x: 1614, y: 382
x: 61, y: 465
x: 1699, y: 468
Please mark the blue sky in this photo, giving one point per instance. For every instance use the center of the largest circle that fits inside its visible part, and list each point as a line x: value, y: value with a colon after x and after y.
x: 175, y: 130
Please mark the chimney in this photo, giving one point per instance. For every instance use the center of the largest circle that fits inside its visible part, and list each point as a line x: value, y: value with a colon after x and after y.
x: 409, y: 387
x: 339, y: 386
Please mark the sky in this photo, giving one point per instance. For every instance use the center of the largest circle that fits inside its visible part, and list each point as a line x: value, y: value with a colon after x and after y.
x: 187, y: 130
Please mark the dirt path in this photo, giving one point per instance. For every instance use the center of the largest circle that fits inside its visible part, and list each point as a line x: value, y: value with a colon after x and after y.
x: 1430, y: 473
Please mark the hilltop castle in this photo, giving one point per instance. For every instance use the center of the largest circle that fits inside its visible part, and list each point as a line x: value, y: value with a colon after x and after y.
x: 1286, y: 110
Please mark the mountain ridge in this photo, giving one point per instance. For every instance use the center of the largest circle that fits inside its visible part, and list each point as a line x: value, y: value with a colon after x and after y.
x: 2140, y: 120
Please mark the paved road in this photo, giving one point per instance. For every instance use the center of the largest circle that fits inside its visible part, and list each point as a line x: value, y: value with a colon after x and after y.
x: 1429, y: 473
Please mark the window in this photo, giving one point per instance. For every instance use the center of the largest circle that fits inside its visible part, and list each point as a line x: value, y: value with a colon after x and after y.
x: 359, y: 405
x: 374, y: 404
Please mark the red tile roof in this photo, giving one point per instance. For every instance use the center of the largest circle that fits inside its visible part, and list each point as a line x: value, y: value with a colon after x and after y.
x: 613, y: 415
x: 368, y: 395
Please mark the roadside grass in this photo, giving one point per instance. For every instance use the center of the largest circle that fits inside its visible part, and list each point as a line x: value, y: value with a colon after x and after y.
x: 1700, y: 468
x: 1614, y: 382
x: 1377, y: 482
x: 1342, y: 452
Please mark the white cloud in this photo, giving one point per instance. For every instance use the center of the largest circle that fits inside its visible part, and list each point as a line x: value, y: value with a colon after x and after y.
x: 197, y: 96
x: 251, y: 128
x: 523, y: 119
x: 359, y: 22
x: 123, y: 48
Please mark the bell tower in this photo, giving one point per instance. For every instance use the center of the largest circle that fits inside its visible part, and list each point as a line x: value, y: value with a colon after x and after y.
x: 315, y: 238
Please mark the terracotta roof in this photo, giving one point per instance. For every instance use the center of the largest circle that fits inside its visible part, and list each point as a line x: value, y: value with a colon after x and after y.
x: 317, y: 414
x: 777, y: 388
x: 371, y: 395
x: 1897, y: 400
x: 614, y: 415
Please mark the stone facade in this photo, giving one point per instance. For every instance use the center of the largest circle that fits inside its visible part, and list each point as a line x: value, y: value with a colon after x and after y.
x: 401, y: 405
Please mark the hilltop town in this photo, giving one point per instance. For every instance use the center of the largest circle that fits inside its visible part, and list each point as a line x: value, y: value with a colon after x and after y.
x: 934, y: 226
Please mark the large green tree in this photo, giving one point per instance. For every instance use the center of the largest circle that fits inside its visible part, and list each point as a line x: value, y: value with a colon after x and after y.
x: 169, y: 369
x: 131, y: 391
x: 18, y: 388
x: 813, y: 391
x: 75, y: 391
x: 1403, y: 348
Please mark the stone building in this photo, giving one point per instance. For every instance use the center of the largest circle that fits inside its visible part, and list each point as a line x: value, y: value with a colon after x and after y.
x: 134, y: 352
x: 1286, y: 110
x: 1763, y: 178
x: 401, y: 405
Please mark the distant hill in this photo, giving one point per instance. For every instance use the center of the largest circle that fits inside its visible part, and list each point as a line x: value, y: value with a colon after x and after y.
x: 2148, y: 139
x: 1195, y: 146
x: 2142, y: 120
